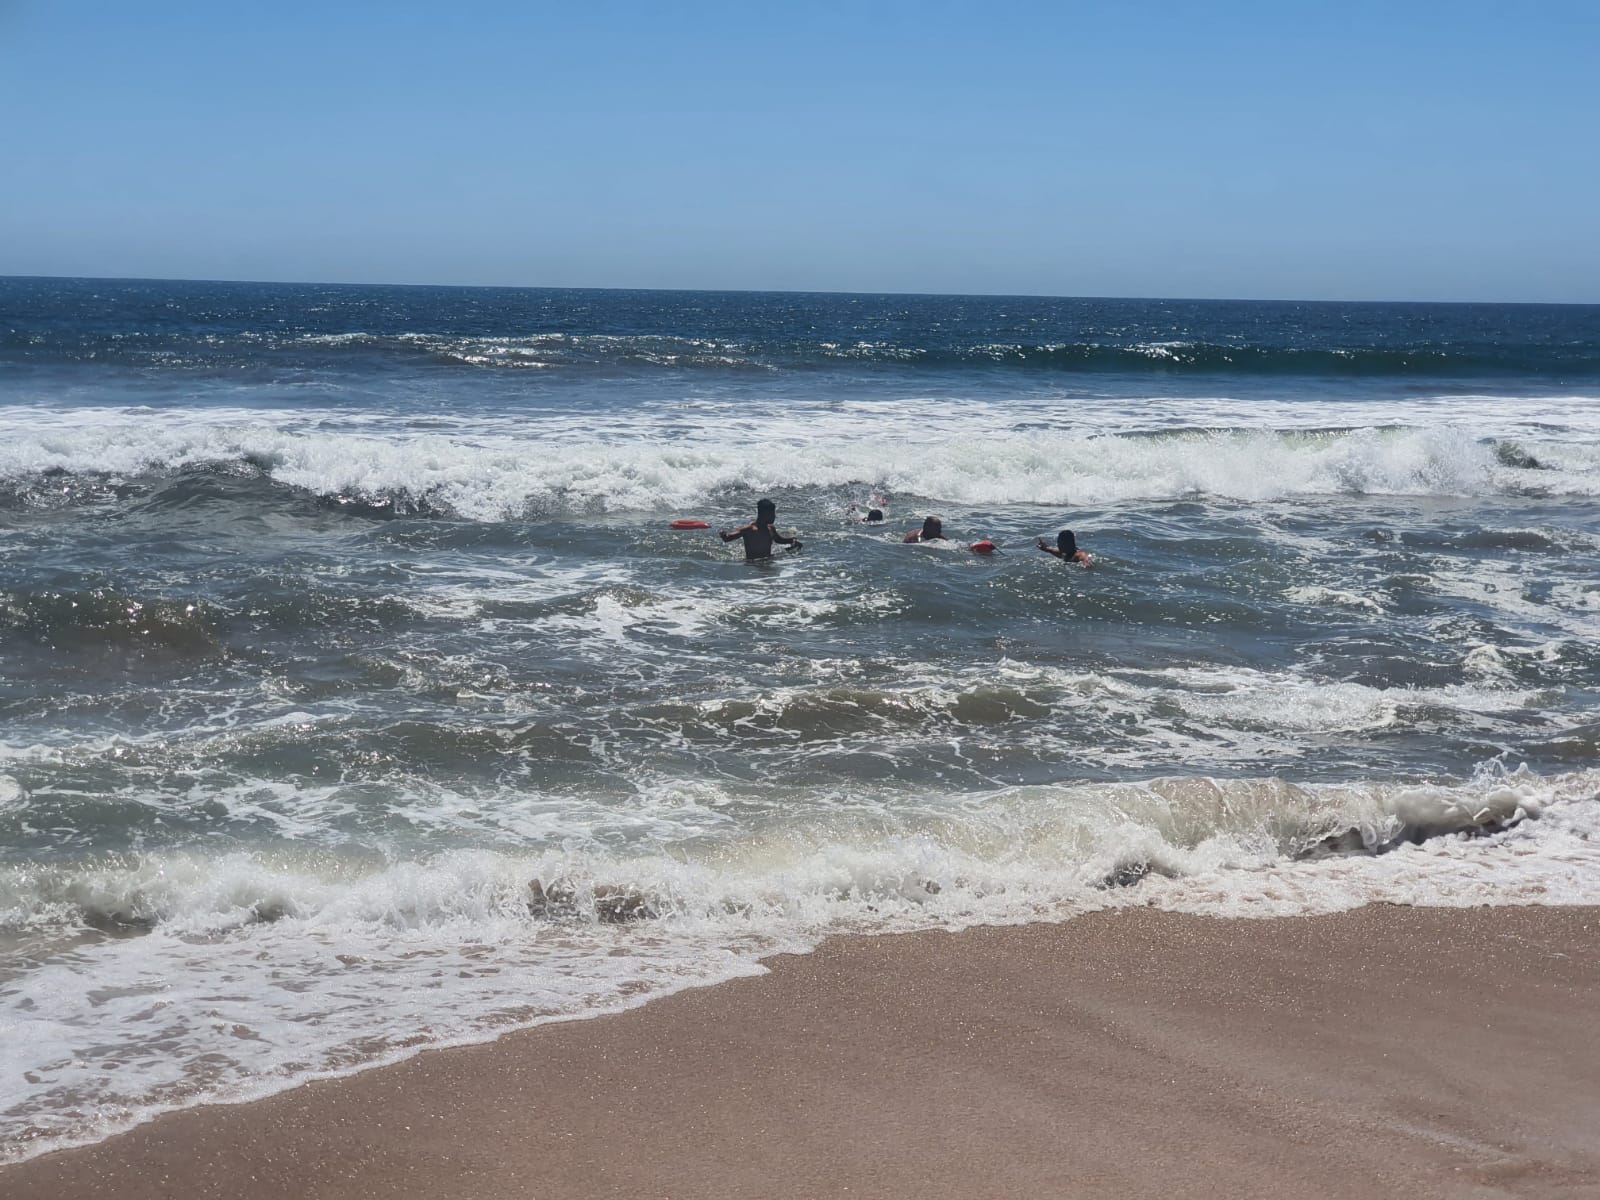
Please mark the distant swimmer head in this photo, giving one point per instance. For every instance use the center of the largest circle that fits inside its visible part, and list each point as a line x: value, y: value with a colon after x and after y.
x: 874, y: 514
x: 932, y: 527
x: 1067, y: 543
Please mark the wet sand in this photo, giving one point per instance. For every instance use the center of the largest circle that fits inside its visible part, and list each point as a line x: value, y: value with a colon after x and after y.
x: 1381, y: 1053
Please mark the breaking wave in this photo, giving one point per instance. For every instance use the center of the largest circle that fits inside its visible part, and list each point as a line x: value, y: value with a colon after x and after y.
x: 180, y: 956
x: 496, y: 476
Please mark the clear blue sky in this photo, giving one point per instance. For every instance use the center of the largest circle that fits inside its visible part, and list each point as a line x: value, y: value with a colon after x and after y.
x: 1400, y: 150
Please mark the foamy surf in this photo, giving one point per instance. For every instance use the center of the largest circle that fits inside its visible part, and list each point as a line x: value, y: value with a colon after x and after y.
x: 554, y: 465
x: 161, y: 978
x: 359, y: 693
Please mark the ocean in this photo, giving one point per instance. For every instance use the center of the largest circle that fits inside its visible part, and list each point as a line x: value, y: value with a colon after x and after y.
x: 356, y: 695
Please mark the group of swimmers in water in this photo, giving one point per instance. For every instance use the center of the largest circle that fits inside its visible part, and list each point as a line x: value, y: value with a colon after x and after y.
x: 760, y: 535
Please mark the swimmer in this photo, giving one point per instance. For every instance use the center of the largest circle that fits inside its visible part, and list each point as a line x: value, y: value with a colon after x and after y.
x: 932, y: 531
x: 1066, y: 549
x: 759, y: 534
x: 874, y: 513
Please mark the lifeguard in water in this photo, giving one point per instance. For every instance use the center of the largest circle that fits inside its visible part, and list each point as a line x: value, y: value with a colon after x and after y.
x: 932, y: 531
x: 759, y: 535
x: 1066, y: 549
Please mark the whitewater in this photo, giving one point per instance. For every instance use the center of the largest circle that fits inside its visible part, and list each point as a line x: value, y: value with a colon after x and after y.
x: 356, y: 695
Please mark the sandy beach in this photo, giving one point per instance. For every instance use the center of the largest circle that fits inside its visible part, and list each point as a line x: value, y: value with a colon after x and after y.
x: 1376, y: 1053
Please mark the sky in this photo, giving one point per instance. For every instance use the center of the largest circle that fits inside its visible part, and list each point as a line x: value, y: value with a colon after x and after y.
x: 1284, y: 149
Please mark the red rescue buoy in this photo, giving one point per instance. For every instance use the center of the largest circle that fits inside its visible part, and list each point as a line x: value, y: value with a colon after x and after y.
x: 983, y: 547
x: 691, y: 525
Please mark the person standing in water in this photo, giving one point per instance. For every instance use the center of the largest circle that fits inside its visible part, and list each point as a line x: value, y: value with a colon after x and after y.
x: 759, y: 534
x: 932, y: 531
x: 1066, y: 549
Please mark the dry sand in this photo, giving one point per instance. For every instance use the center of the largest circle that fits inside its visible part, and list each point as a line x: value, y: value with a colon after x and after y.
x: 1381, y: 1053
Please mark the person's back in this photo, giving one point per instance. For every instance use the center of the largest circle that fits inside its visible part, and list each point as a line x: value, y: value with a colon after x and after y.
x: 757, y: 540
x: 760, y: 534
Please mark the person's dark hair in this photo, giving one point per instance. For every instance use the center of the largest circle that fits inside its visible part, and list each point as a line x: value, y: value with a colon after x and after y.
x: 1067, y: 543
x: 766, y: 511
x: 932, y: 527
x: 874, y: 514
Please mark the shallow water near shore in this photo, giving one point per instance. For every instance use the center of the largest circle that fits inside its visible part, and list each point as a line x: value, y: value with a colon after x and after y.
x: 333, y: 619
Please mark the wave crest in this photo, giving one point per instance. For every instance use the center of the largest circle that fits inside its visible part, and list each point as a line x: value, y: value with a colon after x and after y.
x: 498, y: 475
x: 171, y: 966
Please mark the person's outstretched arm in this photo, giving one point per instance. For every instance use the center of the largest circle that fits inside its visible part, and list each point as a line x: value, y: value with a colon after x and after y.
x: 785, y: 541
x: 1049, y: 549
x: 730, y: 535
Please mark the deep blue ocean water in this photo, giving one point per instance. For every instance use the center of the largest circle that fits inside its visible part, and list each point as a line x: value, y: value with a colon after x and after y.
x: 331, y: 618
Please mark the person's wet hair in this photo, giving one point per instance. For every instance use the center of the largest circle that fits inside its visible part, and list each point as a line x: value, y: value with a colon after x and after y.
x: 874, y: 514
x: 766, y: 511
x: 1067, y: 543
x: 932, y: 527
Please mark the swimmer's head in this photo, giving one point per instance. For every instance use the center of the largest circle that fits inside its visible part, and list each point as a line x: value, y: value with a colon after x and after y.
x: 874, y: 514
x: 766, y: 512
x: 1067, y: 543
x: 932, y: 527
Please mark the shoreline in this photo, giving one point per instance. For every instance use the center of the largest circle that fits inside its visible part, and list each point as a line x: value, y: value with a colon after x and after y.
x: 1436, y: 1052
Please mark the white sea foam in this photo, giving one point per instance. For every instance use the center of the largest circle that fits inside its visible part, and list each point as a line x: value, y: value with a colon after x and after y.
x: 446, y: 948
x: 658, y: 460
x: 1131, y: 718
x: 1317, y: 596
x: 1549, y: 861
x: 391, y: 934
x: 614, y: 615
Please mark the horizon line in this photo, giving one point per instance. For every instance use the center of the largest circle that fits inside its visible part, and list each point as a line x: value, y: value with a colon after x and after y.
x: 540, y: 287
